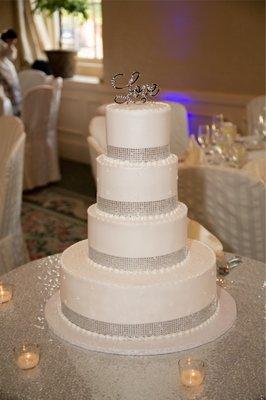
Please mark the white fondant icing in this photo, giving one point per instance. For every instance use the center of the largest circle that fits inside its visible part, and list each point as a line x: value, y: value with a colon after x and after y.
x: 104, y: 294
x: 138, y: 237
x: 137, y: 298
x: 123, y: 181
x: 216, y: 326
x: 138, y: 126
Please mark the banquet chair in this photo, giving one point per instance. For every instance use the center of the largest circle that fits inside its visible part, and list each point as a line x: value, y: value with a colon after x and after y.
x: 5, y: 104
x: 29, y: 78
x: 179, y: 129
x: 13, y: 251
x: 96, y: 140
x: 229, y: 203
x: 255, y: 108
x: 39, y: 114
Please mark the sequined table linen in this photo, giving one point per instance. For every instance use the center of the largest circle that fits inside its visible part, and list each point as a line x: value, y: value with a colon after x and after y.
x: 235, y: 362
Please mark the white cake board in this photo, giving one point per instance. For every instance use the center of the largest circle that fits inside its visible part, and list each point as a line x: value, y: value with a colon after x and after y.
x: 216, y: 326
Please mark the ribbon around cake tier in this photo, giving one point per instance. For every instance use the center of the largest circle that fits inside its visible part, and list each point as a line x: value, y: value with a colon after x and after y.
x: 137, y: 264
x: 139, y: 154
x: 141, y: 330
x: 135, y: 208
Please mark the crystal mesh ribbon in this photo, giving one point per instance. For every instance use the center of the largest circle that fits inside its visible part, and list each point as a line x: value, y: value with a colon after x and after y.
x: 141, y: 330
x: 137, y: 264
x: 134, y: 208
x: 138, y: 155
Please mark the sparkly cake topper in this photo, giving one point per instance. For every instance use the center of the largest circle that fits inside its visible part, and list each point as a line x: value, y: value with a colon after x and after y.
x: 137, y: 93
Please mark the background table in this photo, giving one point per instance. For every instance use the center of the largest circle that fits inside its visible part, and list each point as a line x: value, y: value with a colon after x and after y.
x: 235, y: 362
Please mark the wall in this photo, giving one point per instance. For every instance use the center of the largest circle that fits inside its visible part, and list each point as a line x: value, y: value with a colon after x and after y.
x: 82, y: 97
x: 208, y: 54
x: 7, y: 14
x: 214, y: 46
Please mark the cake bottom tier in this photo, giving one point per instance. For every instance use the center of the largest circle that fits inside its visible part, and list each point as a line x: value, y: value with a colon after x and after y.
x: 138, y: 305
x: 221, y: 321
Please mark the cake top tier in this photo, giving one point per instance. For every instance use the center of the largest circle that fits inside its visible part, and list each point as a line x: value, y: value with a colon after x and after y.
x: 138, y: 126
x: 154, y: 106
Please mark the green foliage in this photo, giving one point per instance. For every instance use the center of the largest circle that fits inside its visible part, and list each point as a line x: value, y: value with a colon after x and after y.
x: 74, y: 7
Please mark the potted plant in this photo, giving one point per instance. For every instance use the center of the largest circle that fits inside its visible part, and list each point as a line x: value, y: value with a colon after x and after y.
x: 62, y: 61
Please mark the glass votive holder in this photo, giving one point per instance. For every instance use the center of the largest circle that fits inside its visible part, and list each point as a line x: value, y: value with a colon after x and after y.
x: 191, y: 372
x: 27, y: 355
x: 6, y: 292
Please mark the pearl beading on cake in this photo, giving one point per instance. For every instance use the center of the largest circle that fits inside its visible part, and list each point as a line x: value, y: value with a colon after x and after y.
x: 141, y: 330
x: 138, y: 155
x: 126, y: 208
x: 137, y: 264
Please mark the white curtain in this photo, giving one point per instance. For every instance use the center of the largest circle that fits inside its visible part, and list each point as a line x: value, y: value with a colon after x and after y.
x: 37, y: 32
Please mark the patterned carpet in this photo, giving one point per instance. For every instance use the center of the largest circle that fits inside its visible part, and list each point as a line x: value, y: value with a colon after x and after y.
x: 53, y: 218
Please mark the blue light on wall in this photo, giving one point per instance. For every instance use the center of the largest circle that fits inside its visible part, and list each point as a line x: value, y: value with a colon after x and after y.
x: 184, y: 99
x: 175, y: 97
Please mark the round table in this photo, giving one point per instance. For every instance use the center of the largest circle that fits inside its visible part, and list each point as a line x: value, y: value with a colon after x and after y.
x: 235, y: 363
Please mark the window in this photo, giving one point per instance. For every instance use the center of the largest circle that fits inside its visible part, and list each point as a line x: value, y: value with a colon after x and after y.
x: 85, y: 37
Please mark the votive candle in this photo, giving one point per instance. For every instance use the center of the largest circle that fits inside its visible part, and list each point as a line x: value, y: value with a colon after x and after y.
x: 27, y: 356
x: 6, y: 292
x: 191, y: 372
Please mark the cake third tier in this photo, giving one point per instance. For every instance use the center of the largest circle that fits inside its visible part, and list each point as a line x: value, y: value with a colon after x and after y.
x: 137, y: 244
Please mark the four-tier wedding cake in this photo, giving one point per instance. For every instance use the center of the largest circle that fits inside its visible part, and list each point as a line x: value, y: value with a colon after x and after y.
x: 137, y: 285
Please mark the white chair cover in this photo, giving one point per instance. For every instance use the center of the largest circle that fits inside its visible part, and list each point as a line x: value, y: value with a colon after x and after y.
x: 13, y: 251
x: 39, y: 114
x: 5, y: 105
x: 29, y: 78
x: 229, y: 203
x: 194, y: 154
x: 255, y: 108
x: 57, y: 84
x: 96, y: 140
x: 179, y: 129
x: 95, y: 150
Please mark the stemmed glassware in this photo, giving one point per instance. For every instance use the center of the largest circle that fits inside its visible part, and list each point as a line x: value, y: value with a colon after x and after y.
x: 204, y: 136
x: 260, y: 129
x: 217, y: 142
x: 217, y: 122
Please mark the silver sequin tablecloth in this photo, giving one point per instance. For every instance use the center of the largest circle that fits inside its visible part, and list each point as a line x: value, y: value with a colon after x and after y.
x: 235, y: 362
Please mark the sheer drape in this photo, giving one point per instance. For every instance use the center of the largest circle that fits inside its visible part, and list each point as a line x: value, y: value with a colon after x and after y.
x: 37, y: 32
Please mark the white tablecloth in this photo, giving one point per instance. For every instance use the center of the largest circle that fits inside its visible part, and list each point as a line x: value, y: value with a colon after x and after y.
x: 235, y: 363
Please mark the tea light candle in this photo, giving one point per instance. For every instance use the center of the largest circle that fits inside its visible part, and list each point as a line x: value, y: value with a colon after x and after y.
x: 5, y: 293
x: 28, y: 356
x: 191, y: 377
x: 191, y: 372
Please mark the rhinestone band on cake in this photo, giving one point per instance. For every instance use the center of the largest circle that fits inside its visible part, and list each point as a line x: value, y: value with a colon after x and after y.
x: 138, y: 263
x: 141, y: 330
x: 144, y: 208
x: 138, y: 155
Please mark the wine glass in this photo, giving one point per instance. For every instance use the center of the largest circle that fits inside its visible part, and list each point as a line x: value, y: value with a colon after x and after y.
x: 237, y: 155
x: 261, y: 124
x: 203, y: 136
x: 217, y: 121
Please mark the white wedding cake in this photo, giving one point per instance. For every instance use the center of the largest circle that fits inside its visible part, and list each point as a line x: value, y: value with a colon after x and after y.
x: 137, y: 279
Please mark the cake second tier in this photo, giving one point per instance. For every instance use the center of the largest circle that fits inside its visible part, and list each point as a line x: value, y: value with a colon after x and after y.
x: 136, y: 244
x: 125, y: 188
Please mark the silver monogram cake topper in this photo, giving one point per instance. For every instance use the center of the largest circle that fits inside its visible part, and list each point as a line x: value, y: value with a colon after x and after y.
x: 137, y: 93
